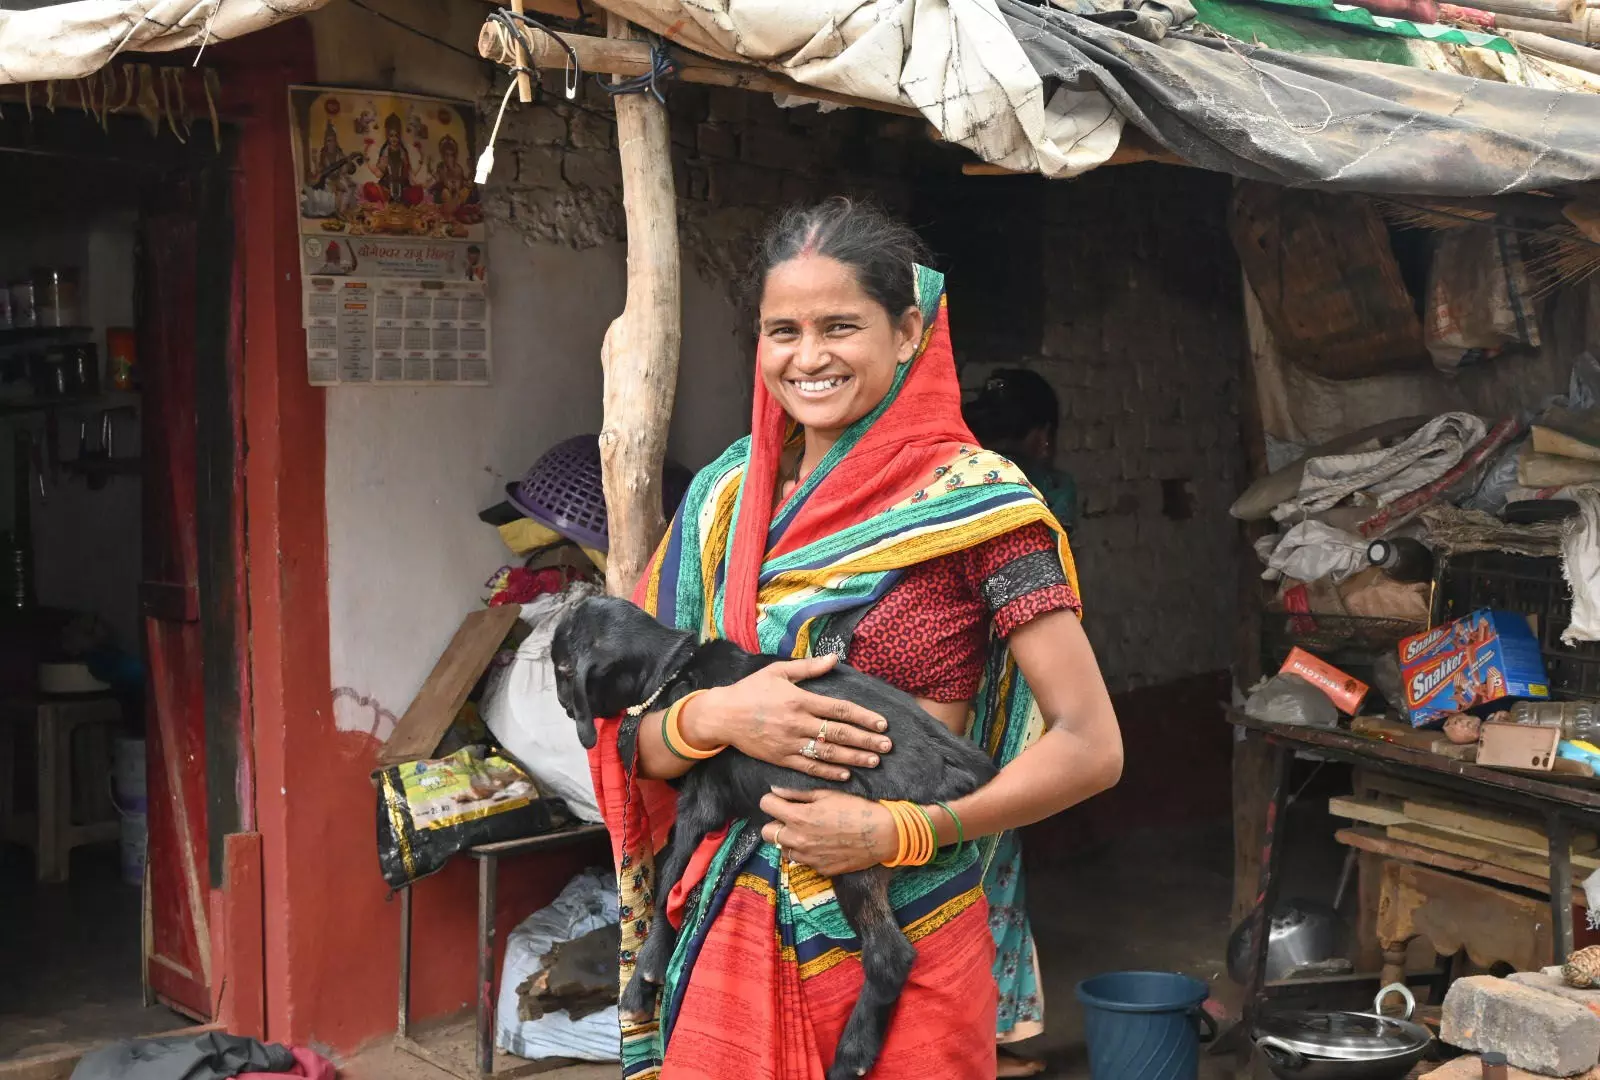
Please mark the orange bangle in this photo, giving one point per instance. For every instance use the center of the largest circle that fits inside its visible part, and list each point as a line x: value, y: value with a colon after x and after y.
x: 899, y: 831
x: 673, y: 737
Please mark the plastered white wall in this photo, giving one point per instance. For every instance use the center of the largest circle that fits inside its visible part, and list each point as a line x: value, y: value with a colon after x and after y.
x: 408, y: 470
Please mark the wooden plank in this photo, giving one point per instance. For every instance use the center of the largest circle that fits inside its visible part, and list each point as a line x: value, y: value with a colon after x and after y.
x: 1504, y: 828
x: 613, y: 56
x: 1374, y: 841
x: 1372, y: 811
x: 1402, y: 734
x: 1485, y: 850
x: 447, y: 686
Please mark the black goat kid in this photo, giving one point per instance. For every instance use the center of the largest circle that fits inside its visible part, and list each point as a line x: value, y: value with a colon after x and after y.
x: 609, y: 656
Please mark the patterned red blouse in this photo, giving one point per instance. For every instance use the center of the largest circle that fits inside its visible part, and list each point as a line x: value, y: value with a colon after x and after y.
x: 929, y: 634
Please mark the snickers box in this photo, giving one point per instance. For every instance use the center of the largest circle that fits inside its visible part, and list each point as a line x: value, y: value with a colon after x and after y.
x: 1478, y: 659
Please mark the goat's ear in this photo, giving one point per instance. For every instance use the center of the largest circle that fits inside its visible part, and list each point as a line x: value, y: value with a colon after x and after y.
x: 603, y: 688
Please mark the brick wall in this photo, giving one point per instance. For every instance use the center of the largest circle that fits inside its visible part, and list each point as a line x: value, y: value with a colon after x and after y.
x: 1120, y: 287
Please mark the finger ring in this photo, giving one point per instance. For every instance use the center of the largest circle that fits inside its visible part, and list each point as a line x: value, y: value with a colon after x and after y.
x: 777, y: 837
x: 810, y: 750
x: 822, y: 732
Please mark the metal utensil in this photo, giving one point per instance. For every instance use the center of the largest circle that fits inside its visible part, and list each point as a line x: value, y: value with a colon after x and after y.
x: 1344, y: 1045
x: 1303, y: 932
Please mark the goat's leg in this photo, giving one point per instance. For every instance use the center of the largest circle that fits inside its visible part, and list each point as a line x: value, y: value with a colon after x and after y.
x: 700, y: 810
x: 886, y: 959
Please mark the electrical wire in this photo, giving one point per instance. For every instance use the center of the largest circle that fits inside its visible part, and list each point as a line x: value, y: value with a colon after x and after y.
x: 516, y: 23
x: 441, y: 42
x: 662, y: 67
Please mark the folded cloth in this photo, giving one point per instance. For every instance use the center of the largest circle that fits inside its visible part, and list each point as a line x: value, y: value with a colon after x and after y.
x: 213, y: 1055
x: 1385, y: 475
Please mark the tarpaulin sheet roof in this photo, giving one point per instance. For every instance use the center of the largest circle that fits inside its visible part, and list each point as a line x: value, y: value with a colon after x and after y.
x: 1312, y: 121
x: 70, y: 41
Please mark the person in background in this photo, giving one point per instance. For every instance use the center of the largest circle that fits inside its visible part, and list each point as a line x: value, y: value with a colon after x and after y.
x: 1018, y: 415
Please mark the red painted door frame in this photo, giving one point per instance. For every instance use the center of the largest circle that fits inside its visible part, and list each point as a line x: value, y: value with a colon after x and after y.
x: 281, y: 536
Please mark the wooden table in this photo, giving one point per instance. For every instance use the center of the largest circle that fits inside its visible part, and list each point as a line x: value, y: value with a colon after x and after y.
x: 1557, y: 804
x: 488, y: 858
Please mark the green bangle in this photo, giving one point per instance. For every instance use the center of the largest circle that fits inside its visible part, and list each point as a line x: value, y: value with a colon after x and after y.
x: 961, y: 833
x: 666, y: 740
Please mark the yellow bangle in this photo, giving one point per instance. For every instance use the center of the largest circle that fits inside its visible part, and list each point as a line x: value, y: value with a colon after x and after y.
x: 899, y: 832
x: 914, y: 834
x: 673, y: 737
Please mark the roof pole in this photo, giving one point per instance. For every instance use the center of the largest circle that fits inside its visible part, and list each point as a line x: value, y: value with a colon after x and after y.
x: 640, y: 354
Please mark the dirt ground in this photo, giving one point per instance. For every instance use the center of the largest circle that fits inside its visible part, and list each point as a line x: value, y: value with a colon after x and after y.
x: 1152, y: 900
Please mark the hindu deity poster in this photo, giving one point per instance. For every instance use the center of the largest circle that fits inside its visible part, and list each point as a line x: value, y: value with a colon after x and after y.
x: 394, y: 262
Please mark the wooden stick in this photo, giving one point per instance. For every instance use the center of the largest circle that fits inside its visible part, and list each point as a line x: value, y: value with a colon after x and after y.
x: 1562, y: 52
x: 1566, y: 31
x: 1551, y: 10
x: 614, y: 56
x: 640, y: 353
x: 524, y: 80
x: 1379, y: 844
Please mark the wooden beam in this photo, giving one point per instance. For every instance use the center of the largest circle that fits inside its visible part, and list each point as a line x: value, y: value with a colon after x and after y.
x: 1562, y: 52
x: 629, y: 57
x: 640, y: 353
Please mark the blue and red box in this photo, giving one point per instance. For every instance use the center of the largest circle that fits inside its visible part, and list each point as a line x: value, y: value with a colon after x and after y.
x: 1478, y: 659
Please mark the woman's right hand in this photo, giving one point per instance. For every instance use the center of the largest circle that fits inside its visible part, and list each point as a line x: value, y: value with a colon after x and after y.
x: 766, y: 716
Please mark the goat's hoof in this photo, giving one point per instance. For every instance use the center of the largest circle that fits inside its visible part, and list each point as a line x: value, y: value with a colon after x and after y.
x: 637, y: 1005
x: 844, y: 1068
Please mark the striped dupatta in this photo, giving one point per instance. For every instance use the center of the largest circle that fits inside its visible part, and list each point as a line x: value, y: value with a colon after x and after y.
x: 759, y: 984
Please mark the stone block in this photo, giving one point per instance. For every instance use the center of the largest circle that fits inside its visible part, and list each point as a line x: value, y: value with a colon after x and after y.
x: 1470, y: 1067
x: 591, y: 131
x: 539, y: 125
x: 537, y: 167
x: 717, y: 141
x: 599, y: 170
x: 1534, y: 1030
x: 1555, y: 984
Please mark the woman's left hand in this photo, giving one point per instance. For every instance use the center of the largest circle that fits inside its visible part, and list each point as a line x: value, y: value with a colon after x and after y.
x: 830, y: 831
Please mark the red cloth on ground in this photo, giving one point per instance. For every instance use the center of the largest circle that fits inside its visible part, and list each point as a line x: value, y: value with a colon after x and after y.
x: 307, y: 1063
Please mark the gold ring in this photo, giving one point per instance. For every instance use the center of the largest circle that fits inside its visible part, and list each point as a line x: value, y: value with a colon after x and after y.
x: 822, y: 732
x: 777, y: 838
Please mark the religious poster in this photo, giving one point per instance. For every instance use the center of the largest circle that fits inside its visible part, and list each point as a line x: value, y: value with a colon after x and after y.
x: 393, y: 264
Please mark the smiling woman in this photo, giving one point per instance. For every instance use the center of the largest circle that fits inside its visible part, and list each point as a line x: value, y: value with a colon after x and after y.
x: 860, y: 520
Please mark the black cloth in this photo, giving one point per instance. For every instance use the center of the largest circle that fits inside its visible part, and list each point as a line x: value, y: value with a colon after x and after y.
x: 210, y: 1056
x: 1319, y: 122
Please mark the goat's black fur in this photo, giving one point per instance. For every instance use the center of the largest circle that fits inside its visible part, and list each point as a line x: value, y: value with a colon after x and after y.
x: 609, y: 655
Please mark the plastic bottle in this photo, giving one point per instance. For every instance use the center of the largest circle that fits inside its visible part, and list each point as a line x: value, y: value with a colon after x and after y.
x: 1402, y: 558
x: 1576, y: 719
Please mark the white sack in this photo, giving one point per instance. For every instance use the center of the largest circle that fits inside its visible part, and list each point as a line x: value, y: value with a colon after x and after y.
x: 521, y: 708
x: 1580, y: 562
x: 587, y: 903
x: 1312, y: 551
x: 1385, y: 475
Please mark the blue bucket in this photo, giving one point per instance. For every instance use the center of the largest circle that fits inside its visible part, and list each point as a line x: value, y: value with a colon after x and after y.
x: 1145, y: 1025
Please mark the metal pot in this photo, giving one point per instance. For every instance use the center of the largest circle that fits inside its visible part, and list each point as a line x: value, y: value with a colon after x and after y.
x: 1344, y: 1045
x: 1303, y: 932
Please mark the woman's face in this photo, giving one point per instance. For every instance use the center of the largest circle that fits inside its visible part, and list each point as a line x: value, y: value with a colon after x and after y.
x: 828, y: 351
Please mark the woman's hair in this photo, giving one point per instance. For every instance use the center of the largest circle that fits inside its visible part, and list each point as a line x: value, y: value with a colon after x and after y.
x: 1012, y: 403
x: 882, y: 251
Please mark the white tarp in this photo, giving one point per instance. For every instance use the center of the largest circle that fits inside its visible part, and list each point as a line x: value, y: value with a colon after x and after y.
x: 71, y: 41
x: 958, y: 62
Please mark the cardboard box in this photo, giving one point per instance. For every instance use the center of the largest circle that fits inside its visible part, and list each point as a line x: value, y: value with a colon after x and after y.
x: 1345, y: 691
x: 1478, y: 659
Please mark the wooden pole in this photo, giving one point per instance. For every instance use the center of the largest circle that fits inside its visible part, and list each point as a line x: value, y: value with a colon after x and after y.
x: 628, y: 57
x: 640, y: 354
x: 1562, y: 52
x: 1567, y: 31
